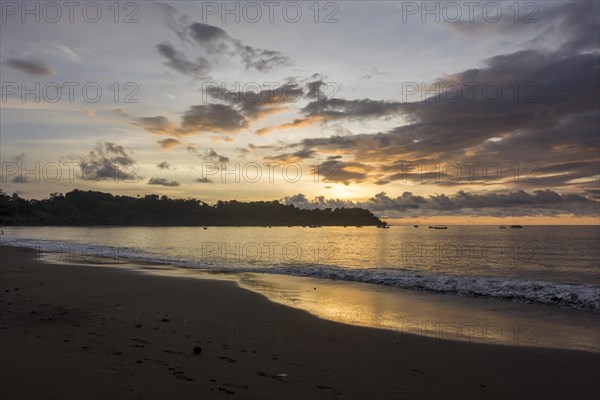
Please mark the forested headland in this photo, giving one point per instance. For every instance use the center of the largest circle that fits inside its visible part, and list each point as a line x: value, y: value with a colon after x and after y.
x: 92, y: 208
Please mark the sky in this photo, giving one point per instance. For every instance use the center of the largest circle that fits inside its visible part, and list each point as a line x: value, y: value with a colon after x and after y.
x: 437, y: 112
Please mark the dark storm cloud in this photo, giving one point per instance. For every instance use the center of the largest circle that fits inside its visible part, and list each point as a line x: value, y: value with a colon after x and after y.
x: 162, y: 182
x: 518, y: 203
x: 108, y: 162
x: 197, y: 69
x: 29, y: 66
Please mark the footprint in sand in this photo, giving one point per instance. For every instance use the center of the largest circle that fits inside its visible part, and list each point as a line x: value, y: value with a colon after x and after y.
x: 277, y: 378
x: 332, y: 390
x: 176, y: 352
x: 180, y: 375
x: 236, y: 386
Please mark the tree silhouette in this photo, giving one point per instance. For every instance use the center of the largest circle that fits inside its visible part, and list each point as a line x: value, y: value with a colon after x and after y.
x: 92, y: 208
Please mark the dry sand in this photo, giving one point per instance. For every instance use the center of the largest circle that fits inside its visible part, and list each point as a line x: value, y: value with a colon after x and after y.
x: 81, y: 332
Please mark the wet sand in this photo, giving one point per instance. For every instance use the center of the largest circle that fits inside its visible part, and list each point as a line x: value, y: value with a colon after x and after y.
x: 99, y: 332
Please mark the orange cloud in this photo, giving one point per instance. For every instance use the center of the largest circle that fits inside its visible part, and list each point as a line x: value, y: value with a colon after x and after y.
x: 169, y: 143
x: 297, y: 123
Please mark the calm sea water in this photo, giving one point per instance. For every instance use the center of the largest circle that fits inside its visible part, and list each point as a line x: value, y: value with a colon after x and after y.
x: 555, y: 265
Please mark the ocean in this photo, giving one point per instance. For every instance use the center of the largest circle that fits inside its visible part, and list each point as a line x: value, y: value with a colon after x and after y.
x: 368, y: 276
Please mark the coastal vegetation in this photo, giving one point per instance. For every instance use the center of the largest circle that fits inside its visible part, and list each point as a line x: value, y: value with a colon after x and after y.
x: 93, y: 208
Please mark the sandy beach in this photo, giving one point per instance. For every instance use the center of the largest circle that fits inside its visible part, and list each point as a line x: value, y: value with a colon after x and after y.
x: 105, y: 332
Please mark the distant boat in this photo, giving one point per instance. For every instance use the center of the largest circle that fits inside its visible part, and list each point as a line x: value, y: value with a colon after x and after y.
x: 359, y: 226
x: 439, y: 227
x: 415, y: 226
x: 502, y: 227
x: 205, y: 228
x: 516, y: 227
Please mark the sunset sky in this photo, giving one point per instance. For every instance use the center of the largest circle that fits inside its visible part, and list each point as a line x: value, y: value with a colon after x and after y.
x: 489, y: 116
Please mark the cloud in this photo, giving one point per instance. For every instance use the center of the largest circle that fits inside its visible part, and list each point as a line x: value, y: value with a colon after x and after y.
x: 29, y: 66
x: 164, y: 165
x: 374, y: 72
x: 551, y: 122
x: 297, y: 123
x: 354, y: 110
x: 22, y: 178
x: 19, y: 157
x: 255, y: 105
x: 296, y: 157
x: 323, y: 108
x: 517, y: 203
x: 108, y: 162
x: 120, y: 112
x: 212, y: 156
x: 158, y: 124
x: 340, y: 171
x: 571, y: 25
x: 162, y: 182
x: 68, y: 52
x: 203, y: 180
x: 197, y: 69
x: 169, y: 143
x: 215, y: 42
x: 212, y: 118
x: 215, y: 118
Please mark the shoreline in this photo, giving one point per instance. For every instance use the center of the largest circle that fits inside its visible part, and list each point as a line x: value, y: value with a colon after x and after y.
x: 434, y: 315
x: 427, y: 313
x: 79, y: 331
